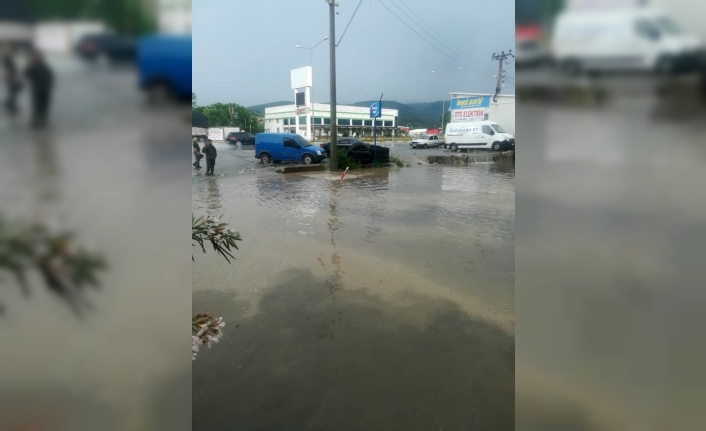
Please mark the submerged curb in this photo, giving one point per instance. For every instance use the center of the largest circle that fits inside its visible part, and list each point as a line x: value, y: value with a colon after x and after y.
x: 507, y: 156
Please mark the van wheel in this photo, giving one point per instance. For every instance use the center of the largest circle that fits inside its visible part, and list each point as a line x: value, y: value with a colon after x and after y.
x: 453, y: 148
x: 265, y: 159
x: 496, y: 146
x: 307, y: 159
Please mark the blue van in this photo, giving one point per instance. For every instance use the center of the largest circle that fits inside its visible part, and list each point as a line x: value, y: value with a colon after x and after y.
x: 283, y: 147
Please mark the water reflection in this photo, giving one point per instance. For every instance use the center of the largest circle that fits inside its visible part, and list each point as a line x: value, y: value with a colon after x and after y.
x: 214, y: 193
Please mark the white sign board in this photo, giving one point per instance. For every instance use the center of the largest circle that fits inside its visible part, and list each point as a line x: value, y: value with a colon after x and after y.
x: 472, y: 114
x: 301, y: 77
x: 215, y: 134
x: 463, y: 129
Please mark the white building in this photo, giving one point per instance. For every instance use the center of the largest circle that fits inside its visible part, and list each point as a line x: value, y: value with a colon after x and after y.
x: 350, y: 120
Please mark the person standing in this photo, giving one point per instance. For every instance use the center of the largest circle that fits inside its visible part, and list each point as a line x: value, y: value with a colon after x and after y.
x: 197, y: 153
x: 12, y: 81
x: 41, y: 80
x: 211, y: 154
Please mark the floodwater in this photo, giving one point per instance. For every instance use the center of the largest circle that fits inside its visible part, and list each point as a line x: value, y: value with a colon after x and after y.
x: 385, y: 301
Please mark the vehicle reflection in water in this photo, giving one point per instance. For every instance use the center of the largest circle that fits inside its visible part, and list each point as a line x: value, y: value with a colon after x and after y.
x: 387, y: 297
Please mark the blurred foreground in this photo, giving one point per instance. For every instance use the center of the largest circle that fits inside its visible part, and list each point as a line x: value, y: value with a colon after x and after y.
x: 610, y: 237
x: 109, y: 168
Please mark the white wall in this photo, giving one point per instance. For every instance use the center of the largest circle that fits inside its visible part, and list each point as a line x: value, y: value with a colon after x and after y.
x: 503, y: 113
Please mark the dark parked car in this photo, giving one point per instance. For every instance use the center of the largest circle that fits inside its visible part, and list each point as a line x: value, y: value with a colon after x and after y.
x: 365, y: 153
x: 343, y: 143
x: 114, y: 47
x: 244, y: 138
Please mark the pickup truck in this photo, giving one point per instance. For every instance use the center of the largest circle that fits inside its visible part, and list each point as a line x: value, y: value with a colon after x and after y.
x: 427, y: 141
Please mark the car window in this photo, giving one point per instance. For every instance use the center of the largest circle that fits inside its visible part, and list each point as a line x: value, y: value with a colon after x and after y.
x: 289, y: 143
x: 302, y: 142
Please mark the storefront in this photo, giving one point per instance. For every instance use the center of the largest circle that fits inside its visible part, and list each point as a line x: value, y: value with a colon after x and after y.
x: 351, y: 120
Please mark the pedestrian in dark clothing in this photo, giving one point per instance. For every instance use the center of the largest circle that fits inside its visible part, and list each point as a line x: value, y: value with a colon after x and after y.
x: 197, y: 153
x: 210, y: 151
x: 41, y: 80
x: 12, y: 80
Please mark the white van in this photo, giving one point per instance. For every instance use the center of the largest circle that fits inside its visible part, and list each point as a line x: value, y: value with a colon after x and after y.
x: 478, y: 134
x: 630, y: 39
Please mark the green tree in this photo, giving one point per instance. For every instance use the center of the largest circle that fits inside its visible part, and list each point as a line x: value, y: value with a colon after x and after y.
x: 126, y: 16
x: 229, y: 115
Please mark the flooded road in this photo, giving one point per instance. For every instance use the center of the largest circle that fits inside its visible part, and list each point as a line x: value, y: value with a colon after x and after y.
x: 382, y: 302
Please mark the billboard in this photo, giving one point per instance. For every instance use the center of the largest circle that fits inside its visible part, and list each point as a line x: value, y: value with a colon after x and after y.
x: 470, y: 102
x: 473, y: 114
x: 215, y: 134
x: 301, y: 77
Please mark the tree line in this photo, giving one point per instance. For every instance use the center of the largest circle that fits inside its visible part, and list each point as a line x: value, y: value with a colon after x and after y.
x: 229, y: 115
x: 126, y: 16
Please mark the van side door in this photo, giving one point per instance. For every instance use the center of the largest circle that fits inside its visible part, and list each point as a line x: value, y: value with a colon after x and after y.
x: 289, y: 149
x: 487, y: 135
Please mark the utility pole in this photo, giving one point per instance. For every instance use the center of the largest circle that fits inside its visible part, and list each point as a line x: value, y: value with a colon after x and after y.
x: 500, y: 57
x: 443, y: 112
x: 332, y: 58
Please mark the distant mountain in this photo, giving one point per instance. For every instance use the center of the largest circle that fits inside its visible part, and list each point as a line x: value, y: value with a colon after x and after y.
x: 260, y: 109
x: 415, y: 115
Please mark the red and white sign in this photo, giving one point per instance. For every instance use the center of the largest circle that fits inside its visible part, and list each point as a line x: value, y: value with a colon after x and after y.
x: 473, y: 114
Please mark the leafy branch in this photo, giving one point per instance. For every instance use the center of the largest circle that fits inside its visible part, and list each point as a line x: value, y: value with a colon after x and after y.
x: 222, y: 238
x: 66, y: 267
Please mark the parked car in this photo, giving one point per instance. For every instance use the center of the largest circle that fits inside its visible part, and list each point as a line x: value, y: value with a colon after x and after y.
x: 342, y: 143
x: 365, y: 153
x: 478, y: 135
x: 242, y: 138
x: 114, y: 47
x: 427, y: 141
x: 280, y: 147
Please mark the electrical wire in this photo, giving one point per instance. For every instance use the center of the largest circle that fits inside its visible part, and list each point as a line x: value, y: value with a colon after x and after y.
x: 430, y: 43
x: 349, y: 22
x: 424, y: 26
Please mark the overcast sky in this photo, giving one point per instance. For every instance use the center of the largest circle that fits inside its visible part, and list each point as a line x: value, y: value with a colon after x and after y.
x: 243, y: 50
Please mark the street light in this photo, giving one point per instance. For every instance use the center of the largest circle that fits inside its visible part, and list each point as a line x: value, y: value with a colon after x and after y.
x: 440, y: 73
x: 311, y: 63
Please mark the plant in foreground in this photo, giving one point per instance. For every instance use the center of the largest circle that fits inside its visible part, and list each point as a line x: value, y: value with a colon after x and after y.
x: 219, y: 235
x: 65, y: 266
x: 205, y: 329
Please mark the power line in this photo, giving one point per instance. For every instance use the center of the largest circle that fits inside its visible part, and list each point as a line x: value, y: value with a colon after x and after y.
x: 430, y: 43
x: 424, y: 26
x: 349, y: 22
